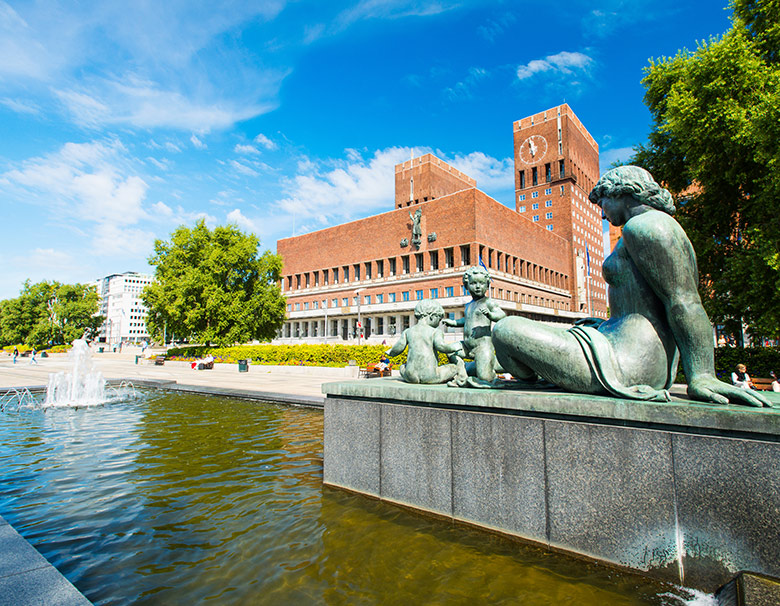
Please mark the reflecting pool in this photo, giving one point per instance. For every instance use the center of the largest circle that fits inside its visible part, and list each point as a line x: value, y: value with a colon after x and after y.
x: 187, y: 499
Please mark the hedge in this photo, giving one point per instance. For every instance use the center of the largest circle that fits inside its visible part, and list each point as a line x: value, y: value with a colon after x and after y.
x: 292, y: 355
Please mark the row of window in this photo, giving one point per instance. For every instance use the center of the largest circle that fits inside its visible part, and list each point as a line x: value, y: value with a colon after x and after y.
x: 547, y: 174
x: 434, y: 293
x: 535, y: 206
x: 368, y: 269
x: 547, y: 192
x: 495, y: 259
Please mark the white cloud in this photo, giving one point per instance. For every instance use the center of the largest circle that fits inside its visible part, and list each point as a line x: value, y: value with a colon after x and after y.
x: 88, y: 185
x: 243, y: 169
x: 246, y: 149
x: 261, y: 139
x: 161, y: 164
x: 564, y: 62
x: 243, y: 222
x: 197, y: 143
x: 490, y: 173
x: 343, y: 189
x: 463, y: 89
x: 20, y: 107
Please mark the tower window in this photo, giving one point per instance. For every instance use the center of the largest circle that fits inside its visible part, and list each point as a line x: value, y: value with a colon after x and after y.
x: 547, y: 172
x: 534, y: 176
x: 522, y: 179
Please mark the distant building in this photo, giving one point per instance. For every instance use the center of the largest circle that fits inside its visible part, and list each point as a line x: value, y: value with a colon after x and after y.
x: 362, y: 279
x: 120, y: 303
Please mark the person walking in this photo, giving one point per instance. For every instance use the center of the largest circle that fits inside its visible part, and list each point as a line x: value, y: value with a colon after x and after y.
x: 32, y: 357
x: 15, y: 354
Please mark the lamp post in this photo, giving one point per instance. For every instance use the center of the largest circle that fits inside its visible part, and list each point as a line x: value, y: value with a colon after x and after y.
x: 360, y: 325
x: 325, y: 305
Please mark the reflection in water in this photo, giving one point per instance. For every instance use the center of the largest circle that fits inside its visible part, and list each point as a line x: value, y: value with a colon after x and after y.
x: 179, y: 499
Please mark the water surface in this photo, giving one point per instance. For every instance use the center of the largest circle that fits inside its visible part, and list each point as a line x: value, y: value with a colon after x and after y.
x: 189, y: 499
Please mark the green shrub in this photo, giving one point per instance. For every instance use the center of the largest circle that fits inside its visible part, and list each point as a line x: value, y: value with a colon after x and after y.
x: 292, y: 355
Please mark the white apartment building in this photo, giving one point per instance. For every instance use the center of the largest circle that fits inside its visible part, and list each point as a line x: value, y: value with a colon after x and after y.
x: 122, y: 307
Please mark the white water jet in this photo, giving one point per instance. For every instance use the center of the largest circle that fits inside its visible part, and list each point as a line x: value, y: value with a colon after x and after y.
x: 84, y: 385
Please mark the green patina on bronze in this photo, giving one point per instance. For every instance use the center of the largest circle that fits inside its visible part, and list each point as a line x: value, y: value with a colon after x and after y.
x: 656, y: 314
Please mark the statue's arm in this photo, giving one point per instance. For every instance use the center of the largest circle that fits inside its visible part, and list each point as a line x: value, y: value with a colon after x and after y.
x: 441, y: 345
x: 665, y: 258
x: 495, y: 313
x: 399, y: 346
x: 458, y: 322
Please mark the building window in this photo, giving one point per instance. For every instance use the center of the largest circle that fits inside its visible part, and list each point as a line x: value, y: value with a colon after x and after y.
x: 535, y: 194
x: 325, y: 273
x: 534, y: 177
x: 449, y: 257
x: 334, y: 302
x: 345, y: 302
x: 392, y: 266
x: 355, y: 300
x: 548, y: 191
x: 450, y: 291
x: 368, y: 270
x: 380, y: 269
x: 418, y: 294
x: 367, y: 300
x: 391, y: 297
x: 522, y: 209
x: 536, y: 218
x: 346, y: 274
x: 316, y: 305
x: 434, y: 254
x: 562, y: 168
x: 563, y: 190
x: 521, y: 198
x: 356, y: 272
x: 419, y: 262
x: 380, y: 328
x: 465, y: 255
x: 289, y: 307
x: 380, y: 298
x: 335, y: 275
x: 405, y: 262
x: 308, y: 278
x: 434, y: 293
x: 547, y: 172
x: 548, y: 216
x: 548, y: 203
x: 405, y: 295
x: 463, y: 290
x: 522, y: 179
x: 549, y: 228
x: 297, y: 307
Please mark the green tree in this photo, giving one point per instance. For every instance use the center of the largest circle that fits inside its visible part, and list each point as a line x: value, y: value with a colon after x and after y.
x: 49, y: 313
x: 715, y: 143
x: 214, y: 287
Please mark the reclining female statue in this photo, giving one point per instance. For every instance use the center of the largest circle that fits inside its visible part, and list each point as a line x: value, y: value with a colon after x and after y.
x: 656, y: 313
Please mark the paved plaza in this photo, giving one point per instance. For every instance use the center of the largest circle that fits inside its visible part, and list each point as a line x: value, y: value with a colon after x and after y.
x: 293, y: 381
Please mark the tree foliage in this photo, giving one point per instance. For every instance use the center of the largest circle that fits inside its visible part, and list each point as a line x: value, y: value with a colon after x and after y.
x: 49, y: 313
x: 715, y: 143
x: 214, y: 287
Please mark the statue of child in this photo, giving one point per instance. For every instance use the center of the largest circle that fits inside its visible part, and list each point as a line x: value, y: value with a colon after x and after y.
x: 424, y: 340
x: 477, y: 342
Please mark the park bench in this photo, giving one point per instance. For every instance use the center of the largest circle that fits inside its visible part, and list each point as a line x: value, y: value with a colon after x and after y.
x: 159, y: 361
x: 762, y: 384
x: 371, y: 370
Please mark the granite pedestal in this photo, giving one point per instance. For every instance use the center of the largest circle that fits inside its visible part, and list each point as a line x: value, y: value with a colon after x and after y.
x: 682, y: 491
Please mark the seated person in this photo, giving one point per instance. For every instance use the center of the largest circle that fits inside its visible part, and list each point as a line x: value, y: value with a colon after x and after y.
x: 424, y: 340
x: 741, y: 378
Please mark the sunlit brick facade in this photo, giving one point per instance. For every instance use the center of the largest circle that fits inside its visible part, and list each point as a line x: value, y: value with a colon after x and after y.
x: 373, y: 268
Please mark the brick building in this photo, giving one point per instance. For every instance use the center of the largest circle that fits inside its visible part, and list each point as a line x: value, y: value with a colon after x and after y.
x: 373, y: 271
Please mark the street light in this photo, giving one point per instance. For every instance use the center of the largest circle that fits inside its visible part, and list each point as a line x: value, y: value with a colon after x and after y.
x: 359, y: 326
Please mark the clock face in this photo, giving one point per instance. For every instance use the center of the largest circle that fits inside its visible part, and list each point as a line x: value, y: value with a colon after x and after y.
x: 533, y: 149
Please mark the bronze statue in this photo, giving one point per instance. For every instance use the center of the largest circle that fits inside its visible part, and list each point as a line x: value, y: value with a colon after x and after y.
x: 425, y: 339
x: 480, y: 312
x: 416, y: 228
x: 656, y: 319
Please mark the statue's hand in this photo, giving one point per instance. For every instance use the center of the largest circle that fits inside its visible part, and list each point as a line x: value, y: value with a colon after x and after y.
x: 448, y: 322
x: 707, y: 388
x: 485, y: 311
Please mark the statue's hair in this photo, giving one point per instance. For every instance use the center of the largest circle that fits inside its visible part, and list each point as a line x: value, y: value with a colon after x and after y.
x: 632, y: 181
x: 427, y: 307
x: 473, y: 271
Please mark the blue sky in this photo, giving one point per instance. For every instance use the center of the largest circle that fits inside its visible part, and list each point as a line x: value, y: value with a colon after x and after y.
x: 122, y: 120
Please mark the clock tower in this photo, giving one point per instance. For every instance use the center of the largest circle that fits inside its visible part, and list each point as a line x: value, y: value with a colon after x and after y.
x: 556, y: 166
